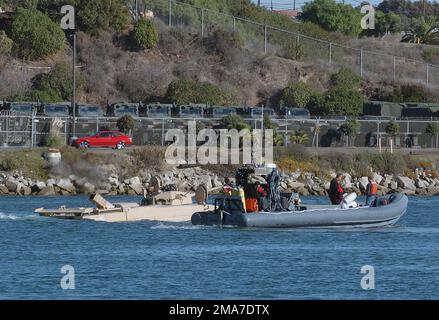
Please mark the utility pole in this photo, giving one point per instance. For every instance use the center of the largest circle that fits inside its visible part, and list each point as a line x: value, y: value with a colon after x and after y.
x: 259, y: 3
x: 68, y: 24
x: 294, y: 5
x: 271, y: 6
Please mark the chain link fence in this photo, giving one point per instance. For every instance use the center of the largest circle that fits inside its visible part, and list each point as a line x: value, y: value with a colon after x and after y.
x: 30, y: 131
x: 293, y: 45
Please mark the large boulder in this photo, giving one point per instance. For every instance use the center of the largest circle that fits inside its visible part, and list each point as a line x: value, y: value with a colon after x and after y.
x: 432, y: 191
x: 11, y: 185
x: 295, y: 185
x: 24, y: 190
x: 405, y: 183
x: 134, y: 181
x: 88, y: 188
x: 419, y: 183
x: 47, y: 191
x: 137, y: 188
x: 4, y: 189
x: 66, y: 185
x: 377, y: 178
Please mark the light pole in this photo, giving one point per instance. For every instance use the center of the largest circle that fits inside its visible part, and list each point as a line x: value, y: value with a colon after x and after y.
x: 68, y: 25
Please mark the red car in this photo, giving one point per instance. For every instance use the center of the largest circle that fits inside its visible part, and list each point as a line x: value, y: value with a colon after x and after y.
x: 114, y: 139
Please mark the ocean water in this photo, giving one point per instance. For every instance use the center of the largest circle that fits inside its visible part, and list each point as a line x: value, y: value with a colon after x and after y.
x: 151, y: 260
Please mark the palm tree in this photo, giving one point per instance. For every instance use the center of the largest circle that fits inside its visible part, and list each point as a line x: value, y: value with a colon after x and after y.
x: 349, y: 129
x: 299, y: 137
x: 392, y: 130
x: 422, y: 30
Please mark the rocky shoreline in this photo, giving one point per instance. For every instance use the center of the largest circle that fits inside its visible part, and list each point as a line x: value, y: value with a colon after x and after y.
x: 189, y: 179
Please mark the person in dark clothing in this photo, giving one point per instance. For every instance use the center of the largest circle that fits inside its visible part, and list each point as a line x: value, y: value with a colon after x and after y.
x: 336, y: 190
x: 262, y: 197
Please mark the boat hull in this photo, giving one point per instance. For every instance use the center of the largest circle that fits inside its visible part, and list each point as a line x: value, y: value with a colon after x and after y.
x: 324, y: 217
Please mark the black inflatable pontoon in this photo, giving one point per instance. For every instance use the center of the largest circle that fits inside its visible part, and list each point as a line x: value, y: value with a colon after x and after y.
x: 228, y: 211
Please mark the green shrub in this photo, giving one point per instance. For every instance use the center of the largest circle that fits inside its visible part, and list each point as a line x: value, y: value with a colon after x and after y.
x: 431, y: 55
x: 234, y: 121
x: 292, y: 151
x: 225, y: 40
x: 297, y: 95
x: 292, y: 50
x: 5, y: 43
x: 145, y: 35
x: 30, y: 162
x: 333, y: 16
x: 341, y: 100
x: 35, y: 35
x: 52, y: 141
x: 57, y: 85
x: 387, y: 163
x: 409, y: 93
x: 126, y: 123
x: 184, y: 91
x: 151, y: 157
x: 345, y: 77
x: 102, y: 15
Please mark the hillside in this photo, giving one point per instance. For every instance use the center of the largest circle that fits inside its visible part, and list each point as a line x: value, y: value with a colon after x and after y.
x: 113, y: 69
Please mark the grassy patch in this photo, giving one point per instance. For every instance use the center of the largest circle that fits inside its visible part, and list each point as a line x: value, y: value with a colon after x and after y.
x: 30, y: 162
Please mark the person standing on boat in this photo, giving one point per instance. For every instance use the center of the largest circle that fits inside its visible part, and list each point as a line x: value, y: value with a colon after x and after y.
x: 262, y: 197
x: 228, y: 186
x: 371, y: 191
x: 336, y: 190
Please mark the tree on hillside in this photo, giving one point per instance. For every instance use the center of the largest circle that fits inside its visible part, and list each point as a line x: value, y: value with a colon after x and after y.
x: 344, y: 96
x: 333, y: 16
x: 422, y: 30
x: 385, y: 23
x: 299, y: 137
x: 5, y: 44
x: 297, y: 95
x: 145, y: 35
x: 35, y: 35
x: 56, y: 86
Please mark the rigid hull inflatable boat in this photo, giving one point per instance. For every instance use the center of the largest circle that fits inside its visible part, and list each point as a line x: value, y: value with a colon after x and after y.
x: 229, y: 212
x: 257, y: 201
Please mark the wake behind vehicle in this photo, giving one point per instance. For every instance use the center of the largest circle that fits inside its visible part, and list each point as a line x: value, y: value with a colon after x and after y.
x: 113, y: 139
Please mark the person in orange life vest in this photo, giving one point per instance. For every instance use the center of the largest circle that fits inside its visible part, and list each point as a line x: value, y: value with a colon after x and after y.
x: 371, y: 191
x: 336, y: 190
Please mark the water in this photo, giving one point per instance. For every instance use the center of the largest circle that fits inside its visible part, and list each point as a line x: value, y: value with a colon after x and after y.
x: 150, y: 260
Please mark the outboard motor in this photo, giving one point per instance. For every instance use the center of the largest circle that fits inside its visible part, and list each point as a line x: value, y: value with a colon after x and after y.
x: 349, y: 201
